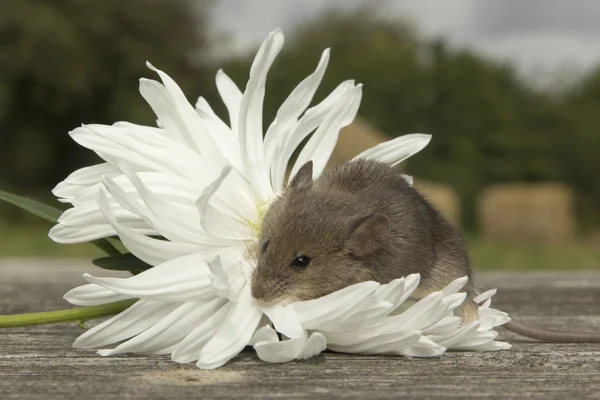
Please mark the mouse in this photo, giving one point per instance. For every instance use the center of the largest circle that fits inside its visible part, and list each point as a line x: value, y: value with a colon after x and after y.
x: 362, y: 221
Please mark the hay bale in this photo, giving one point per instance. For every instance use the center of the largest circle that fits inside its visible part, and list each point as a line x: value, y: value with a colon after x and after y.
x: 443, y: 197
x: 531, y: 213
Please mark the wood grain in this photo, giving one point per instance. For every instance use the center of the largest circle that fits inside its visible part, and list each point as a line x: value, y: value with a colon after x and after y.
x: 39, y: 363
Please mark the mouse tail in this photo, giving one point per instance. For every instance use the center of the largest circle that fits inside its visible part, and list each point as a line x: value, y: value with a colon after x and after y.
x: 548, y: 335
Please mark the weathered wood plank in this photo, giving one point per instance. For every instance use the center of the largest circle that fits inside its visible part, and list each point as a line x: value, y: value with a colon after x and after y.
x: 39, y: 363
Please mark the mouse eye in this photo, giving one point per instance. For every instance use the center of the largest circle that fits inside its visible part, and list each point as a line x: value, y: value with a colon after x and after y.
x: 265, y: 246
x: 300, y: 262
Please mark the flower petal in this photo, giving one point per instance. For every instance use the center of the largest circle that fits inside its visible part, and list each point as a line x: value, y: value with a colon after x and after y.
x: 134, y: 320
x: 250, y: 116
x: 285, y: 320
x: 227, y: 277
x: 484, y: 296
x: 232, y: 98
x: 222, y: 209
x: 291, y: 109
x: 317, y: 343
x: 170, y: 330
x: 264, y: 334
x: 178, y: 116
x: 233, y: 335
x: 92, y: 295
x: 423, y: 348
x: 223, y: 136
x: 380, y: 343
x: 186, y: 278
x: 280, y: 352
x: 307, y: 123
x: 151, y: 251
x: 143, y: 152
x: 82, y: 178
x: 189, y: 348
x: 397, y: 150
x: 314, y: 314
x: 321, y: 144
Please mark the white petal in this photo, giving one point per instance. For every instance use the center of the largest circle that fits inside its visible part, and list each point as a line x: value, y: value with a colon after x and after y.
x: 130, y: 322
x: 90, y: 214
x: 178, y: 116
x: 222, y: 134
x: 455, y: 286
x: 444, y: 326
x: 457, y: 336
x: 270, y: 349
x: 227, y: 277
x: 264, y: 334
x: 144, y: 153
x: 475, y: 341
x: 141, y: 129
x: 280, y: 352
x: 409, y: 179
x: 68, y: 235
x: 424, y: 348
x: 285, y: 320
x: 222, y: 209
x: 170, y: 187
x: 314, y: 314
x: 92, y: 295
x: 151, y: 251
x: 175, y: 220
x: 381, y: 343
x: 170, y: 330
x: 397, y: 150
x: 189, y: 348
x: 232, y: 98
x: 307, y: 123
x: 233, y: 335
x: 82, y: 178
x: 399, y: 290
x: 321, y: 144
x: 317, y: 343
x: 250, y: 116
x: 291, y: 109
x: 424, y: 313
x: 484, y: 296
x: 186, y: 278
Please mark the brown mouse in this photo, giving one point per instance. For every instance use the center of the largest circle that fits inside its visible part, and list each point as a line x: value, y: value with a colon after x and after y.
x: 358, y: 222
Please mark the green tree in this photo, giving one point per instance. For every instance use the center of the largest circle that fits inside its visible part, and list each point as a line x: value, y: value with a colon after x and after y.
x: 487, y: 125
x: 67, y: 62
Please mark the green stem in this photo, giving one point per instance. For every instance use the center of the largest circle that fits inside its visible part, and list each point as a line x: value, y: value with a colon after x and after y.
x: 80, y: 314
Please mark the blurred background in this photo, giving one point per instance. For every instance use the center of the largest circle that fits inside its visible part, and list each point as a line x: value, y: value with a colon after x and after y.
x: 510, y: 91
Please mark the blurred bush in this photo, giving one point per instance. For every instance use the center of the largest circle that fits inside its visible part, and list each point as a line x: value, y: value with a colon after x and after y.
x: 64, y: 62
x: 487, y: 125
x: 67, y: 62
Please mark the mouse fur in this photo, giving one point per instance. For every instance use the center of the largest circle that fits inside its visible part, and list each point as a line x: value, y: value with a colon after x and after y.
x: 357, y: 222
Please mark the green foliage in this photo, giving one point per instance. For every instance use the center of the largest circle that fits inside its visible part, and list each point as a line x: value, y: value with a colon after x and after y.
x: 68, y: 62
x: 122, y: 262
x: 46, y: 212
x: 51, y: 214
x: 494, y: 255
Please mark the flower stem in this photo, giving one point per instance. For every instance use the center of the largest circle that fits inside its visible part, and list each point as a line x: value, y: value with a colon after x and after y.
x: 79, y: 314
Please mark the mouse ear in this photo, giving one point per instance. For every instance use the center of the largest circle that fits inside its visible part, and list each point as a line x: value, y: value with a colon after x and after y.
x: 367, y: 234
x: 303, y: 178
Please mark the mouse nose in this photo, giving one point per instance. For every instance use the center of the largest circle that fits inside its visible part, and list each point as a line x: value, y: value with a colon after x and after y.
x: 258, y: 292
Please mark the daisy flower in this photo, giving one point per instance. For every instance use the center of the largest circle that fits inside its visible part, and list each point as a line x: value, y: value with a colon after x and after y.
x: 187, y: 198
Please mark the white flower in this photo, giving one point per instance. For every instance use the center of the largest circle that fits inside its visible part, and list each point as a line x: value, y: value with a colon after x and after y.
x: 187, y: 198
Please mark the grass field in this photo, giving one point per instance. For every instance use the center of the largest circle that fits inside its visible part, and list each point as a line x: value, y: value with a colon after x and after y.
x: 32, y: 241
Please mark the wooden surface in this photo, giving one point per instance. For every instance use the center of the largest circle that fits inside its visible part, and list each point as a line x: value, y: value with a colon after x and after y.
x: 39, y: 363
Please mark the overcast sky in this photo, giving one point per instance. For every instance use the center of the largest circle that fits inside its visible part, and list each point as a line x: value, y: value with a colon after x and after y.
x: 541, y: 37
